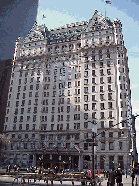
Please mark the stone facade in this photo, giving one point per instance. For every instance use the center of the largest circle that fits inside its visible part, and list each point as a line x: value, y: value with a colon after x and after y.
x: 63, y: 82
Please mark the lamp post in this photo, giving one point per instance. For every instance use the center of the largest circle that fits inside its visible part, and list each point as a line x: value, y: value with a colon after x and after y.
x: 94, y: 131
x: 93, y: 170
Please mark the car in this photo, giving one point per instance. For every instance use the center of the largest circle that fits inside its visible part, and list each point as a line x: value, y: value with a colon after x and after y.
x: 68, y: 171
x: 31, y: 169
x: 51, y: 171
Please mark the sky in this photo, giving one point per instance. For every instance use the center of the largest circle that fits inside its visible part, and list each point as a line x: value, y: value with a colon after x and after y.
x: 63, y: 12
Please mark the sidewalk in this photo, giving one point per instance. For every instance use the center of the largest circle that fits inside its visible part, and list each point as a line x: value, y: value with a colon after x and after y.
x: 126, y: 181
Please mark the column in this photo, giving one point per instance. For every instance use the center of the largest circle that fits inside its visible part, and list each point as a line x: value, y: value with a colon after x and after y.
x: 34, y: 160
x: 80, y: 162
x: 116, y: 161
x: 106, y: 162
x: 98, y: 161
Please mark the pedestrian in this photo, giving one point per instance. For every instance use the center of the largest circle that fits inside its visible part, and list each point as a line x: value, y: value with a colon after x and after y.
x: 118, y: 176
x: 126, y: 173
x: 18, y: 169
x: 7, y: 168
x: 112, y: 177
x: 15, y: 168
x: 133, y: 176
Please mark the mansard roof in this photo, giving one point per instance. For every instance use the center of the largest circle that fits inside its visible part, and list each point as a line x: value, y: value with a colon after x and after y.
x: 34, y: 34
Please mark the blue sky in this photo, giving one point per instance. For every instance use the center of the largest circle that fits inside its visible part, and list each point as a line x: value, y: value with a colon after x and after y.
x: 63, y: 12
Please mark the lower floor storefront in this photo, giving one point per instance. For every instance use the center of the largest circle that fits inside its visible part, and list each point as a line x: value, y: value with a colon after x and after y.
x: 78, y: 161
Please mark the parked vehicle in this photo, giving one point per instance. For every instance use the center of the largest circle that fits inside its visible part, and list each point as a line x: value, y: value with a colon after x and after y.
x: 68, y: 171
x: 51, y: 171
x: 32, y: 169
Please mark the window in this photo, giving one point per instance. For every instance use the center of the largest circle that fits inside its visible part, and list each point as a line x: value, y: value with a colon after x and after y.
x: 93, y: 106
x: 93, y: 65
x: 26, y: 136
x: 85, y: 73
x: 67, y: 127
x: 93, y: 97
x: 93, y: 115
x: 69, y: 84
x: 101, y: 64
x: 101, y: 115
x: 25, y: 145
x: 85, y: 146
x: 18, y: 95
x: 101, y: 88
x: 101, y: 80
x: 34, y: 118
x: 14, y: 126
x: 22, y: 110
x: 111, y: 134
x: 27, y: 126
x: 93, y: 80
x: 85, y: 125
x: 109, y: 79
x: 101, y: 97
x: 21, y: 118
x: 102, y: 145
x: 120, y: 145
x: 68, y: 100
x: 93, y: 88
x: 68, y: 145
x: 25, y: 80
x: 111, y: 146
x: 108, y: 63
x: 102, y: 124
x: 108, y: 71
x: 103, y: 134
x: 101, y: 72
x: 110, y: 124
x: 85, y: 89
x: 17, y: 103
x: 109, y: 88
x: 30, y: 94
x: 29, y: 102
x: 110, y: 114
x: 20, y: 126
x: 86, y: 98
x: 110, y: 105
x: 37, y: 86
x: 24, y: 88
x: 85, y: 116
x: 68, y: 109
x: 102, y: 106
x: 24, y: 95
x: 109, y: 96
x: 93, y: 72
x: 85, y: 107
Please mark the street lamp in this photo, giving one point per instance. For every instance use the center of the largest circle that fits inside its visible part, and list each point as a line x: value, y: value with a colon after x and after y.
x: 94, y: 131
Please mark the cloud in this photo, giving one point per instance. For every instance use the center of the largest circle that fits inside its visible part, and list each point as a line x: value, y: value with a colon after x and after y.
x: 134, y: 86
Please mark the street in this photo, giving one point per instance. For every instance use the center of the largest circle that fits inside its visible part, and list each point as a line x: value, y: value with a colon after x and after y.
x: 8, y: 180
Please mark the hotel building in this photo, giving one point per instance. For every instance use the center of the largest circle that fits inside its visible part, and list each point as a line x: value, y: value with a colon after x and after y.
x: 63, y: 82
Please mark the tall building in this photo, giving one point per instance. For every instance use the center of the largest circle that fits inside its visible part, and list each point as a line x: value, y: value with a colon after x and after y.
x: 64, y: 81
x: 5, y: 74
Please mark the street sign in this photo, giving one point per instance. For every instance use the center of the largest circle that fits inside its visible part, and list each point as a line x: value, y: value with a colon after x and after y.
x: 89, y: 140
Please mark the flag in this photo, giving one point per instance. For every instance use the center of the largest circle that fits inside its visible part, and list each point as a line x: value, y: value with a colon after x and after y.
x: 77, y: 148
x: 34, y: 147
x: 108, y: 2
x: 44, y: 16
x: 43, y: 148
x: 56, y: 149
x: 65, y: 148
